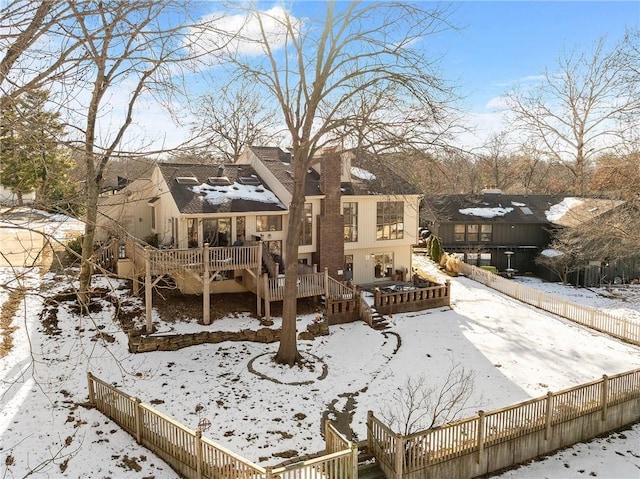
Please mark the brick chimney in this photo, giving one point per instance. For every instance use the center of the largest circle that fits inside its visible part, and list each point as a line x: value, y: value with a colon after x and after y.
x: 330, y: 251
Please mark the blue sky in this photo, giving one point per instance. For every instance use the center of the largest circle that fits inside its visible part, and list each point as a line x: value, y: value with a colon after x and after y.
x: 501, y: 42
x: 496, y: 43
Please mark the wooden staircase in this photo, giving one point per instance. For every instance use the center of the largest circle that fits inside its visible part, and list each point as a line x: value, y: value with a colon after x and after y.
x: 368, y: 467
x: 379, y: 322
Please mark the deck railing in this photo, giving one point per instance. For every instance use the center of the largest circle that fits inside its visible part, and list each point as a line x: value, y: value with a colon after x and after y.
x: 603, y: 321
x: 225, y: 258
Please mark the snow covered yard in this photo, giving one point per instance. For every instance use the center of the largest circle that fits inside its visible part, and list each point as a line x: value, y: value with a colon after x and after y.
x: 515, y: 351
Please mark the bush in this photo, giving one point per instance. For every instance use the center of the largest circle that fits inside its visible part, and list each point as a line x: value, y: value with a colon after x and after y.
x: 152, y: 240
x: 74, y: 249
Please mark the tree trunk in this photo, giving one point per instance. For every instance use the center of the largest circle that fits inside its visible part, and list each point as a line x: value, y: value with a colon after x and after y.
x: 86, y: 265
x: 288, y: 349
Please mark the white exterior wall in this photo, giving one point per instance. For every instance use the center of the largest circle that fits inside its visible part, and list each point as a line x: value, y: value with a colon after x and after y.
x: 367, y: 245
x: 127, y: 210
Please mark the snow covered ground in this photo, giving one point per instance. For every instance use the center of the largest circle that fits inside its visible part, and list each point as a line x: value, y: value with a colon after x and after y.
x: 515, y: 351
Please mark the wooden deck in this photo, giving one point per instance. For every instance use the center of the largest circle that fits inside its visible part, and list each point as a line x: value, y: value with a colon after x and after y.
x: 204, y: 265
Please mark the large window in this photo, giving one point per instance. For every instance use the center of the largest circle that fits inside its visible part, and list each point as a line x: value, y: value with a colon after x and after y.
x: 268, y: 223
x: 390, y: 220
x: 350, y: 217
x: 192, y: 232
x: 306, y: 237
x: 216, y: 231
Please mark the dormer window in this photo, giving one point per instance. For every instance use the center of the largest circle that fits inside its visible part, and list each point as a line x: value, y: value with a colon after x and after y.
x: 187, y: 180
x: 218, y: 181
x: 249, y: 180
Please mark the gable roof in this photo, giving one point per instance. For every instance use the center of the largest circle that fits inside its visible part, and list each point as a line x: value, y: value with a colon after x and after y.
x: 278, y: 162
x: 193, y: 193
x: 558, y: 210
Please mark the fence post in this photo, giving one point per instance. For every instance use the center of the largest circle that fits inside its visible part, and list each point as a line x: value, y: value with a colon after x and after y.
x: 199, y: 454
x: 399, y: 456
x: 605, y: 396
x: 327, y: 437
x: 92, y: 392
x: 148, y: 291
x: 206, y: 284
x: 547, y: 425
x: 138, y: 418
x: 480, y: 436
x: 354, y: 460
x: 540, y: 299
x: 370, y: 431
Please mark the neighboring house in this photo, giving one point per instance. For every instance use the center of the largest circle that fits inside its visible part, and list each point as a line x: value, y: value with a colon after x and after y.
x: 9, y: 198
x: 360, y: 219
x: 505, y: 231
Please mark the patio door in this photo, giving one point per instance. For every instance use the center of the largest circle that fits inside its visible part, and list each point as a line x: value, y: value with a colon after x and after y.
x: 383, y: 268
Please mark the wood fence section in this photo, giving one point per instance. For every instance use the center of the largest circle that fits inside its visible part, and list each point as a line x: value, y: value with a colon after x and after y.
x: 508, y: 436
x: 196, y: 457
x: 603, y: 321
x: 183, y: 449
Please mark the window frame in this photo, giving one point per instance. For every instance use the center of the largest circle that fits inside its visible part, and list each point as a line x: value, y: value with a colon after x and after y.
x: 306, y: 232
x: 266, y: 221
x: 389, y: 219
x: 350, y: 221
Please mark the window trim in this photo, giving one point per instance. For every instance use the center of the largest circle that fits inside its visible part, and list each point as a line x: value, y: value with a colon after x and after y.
x: 392, y: 214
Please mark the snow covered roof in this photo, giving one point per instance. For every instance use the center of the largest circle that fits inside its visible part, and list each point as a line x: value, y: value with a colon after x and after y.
x: 233, y: 195
x: 541, y: 209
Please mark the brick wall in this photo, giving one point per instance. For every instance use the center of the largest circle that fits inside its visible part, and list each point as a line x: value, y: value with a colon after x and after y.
x: 330, y: 251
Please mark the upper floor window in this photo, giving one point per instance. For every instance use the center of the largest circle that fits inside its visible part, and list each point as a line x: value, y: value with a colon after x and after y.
x: 306, y: 237
x: 350, y: 218
x: 472, y: 233
x: 486, y: 233
x: 390, y: 220
x: 268, y: 223
x: 458, y: 232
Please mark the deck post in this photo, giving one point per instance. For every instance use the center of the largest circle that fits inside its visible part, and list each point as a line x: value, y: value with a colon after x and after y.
x: 267, y: 299
x: 206, y: 283
x: 148, y: 290
x: 326, y: 285
x: 399, y: 453
x: 258, y: 269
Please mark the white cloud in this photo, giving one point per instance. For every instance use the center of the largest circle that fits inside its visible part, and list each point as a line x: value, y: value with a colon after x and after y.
x: 497, y: 103
x: 240, y: 33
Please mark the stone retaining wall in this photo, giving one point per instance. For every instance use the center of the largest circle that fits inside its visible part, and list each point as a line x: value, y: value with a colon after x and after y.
x: 143, y: 343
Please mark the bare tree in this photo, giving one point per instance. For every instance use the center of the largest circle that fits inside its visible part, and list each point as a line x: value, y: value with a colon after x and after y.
x: 232, y: 119
x: 580, y: 108
x: 312, y: 69
x: 422, y: 403
x: 496, y: 162
x: 564, y: 254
